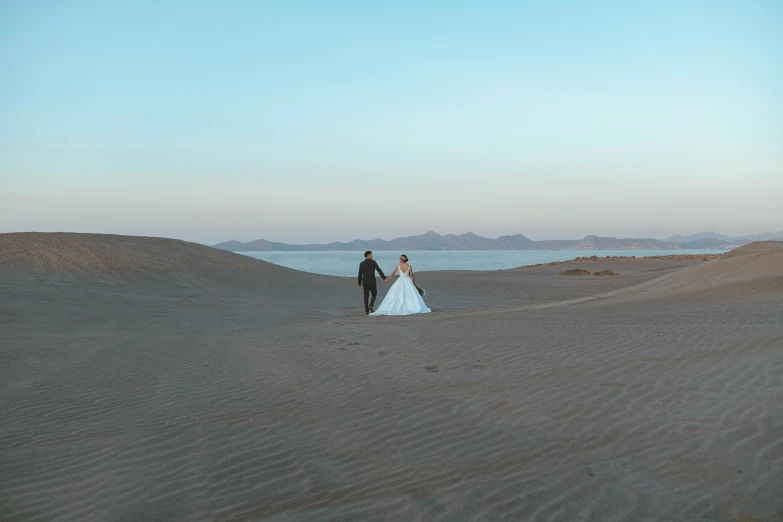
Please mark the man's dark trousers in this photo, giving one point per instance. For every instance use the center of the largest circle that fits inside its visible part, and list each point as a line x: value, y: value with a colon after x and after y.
x: 371, y: 288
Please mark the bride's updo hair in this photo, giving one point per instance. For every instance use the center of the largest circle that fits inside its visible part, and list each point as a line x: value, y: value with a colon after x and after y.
x: 404, y: 258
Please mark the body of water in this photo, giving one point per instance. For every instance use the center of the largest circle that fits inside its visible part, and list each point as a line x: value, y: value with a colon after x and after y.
x: 347, y: 263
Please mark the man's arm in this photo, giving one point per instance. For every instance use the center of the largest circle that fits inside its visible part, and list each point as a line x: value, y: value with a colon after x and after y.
x: 379, y: 270
x: 360, y: 275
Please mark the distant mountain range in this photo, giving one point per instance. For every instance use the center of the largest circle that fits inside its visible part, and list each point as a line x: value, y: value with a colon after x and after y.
x: 766, y: 236
x: 470, y: 241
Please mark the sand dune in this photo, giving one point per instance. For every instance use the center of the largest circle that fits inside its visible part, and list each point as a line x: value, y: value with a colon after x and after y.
x: 151, y: 379
x: 126, y: 259
x: 752, y: 270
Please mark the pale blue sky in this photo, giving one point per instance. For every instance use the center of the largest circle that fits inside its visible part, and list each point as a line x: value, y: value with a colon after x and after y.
x: 320, y: 121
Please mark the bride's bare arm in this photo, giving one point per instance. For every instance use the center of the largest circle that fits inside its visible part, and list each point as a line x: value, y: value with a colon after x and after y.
x: 410, y: 269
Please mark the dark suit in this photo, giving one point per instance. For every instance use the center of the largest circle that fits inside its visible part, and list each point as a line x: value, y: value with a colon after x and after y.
x: 367, y: 270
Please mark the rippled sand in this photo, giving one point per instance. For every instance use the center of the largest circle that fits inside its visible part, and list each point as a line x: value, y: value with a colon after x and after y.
x: 152, y: 379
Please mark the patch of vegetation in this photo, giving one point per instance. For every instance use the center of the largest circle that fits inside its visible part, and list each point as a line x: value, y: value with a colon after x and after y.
x: 576, y: 271
x: 605, y: 272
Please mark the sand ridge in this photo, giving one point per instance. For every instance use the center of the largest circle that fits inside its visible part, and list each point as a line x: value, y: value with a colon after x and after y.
x: 127, y: 259
x: 752, y: 270
x: 160, y: 397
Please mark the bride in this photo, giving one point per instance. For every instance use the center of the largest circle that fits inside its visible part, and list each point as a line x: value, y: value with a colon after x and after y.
x: 403, y: 298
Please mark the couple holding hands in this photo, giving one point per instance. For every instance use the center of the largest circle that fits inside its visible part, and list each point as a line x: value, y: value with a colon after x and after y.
x: 403, y: 298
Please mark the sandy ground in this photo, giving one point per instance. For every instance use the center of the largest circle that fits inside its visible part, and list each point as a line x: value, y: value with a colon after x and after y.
x: 152, y: 379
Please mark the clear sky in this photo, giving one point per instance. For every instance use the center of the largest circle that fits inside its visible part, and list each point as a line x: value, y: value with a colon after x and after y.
x: 328, y: 120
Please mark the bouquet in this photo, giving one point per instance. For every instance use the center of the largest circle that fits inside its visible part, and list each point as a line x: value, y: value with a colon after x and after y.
x: 421, y: 290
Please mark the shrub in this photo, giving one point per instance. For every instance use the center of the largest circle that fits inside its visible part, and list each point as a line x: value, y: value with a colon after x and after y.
x: 575, y: 271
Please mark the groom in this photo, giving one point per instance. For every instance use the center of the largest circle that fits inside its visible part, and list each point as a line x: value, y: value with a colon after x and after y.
x: 367, y: 270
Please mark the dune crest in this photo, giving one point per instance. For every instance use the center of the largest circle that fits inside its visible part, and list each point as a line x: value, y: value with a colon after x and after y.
x: 119, y: 259
x: 756, y: 268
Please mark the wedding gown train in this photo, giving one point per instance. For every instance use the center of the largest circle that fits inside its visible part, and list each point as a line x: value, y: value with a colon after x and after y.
x: 402, y: 298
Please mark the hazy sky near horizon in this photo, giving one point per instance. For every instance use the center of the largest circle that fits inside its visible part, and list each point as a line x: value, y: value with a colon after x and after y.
x: 322, y: 121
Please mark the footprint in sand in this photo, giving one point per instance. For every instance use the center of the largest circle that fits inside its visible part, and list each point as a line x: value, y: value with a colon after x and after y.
x: 432, y: 368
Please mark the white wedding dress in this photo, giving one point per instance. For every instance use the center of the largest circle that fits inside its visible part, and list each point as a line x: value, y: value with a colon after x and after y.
x: 402, y: 298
